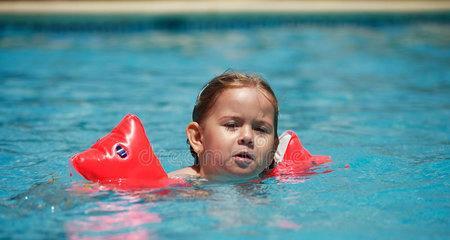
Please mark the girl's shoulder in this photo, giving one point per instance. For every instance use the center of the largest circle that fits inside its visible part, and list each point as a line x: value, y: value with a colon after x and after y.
x: 187, y: 172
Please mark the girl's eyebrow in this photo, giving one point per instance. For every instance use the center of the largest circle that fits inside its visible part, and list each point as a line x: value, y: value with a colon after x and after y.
x: 258, y: 122
x: 230, y: 117
x: 264, y: 123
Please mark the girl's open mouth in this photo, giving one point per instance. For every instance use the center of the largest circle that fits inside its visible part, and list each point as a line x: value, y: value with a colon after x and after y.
x: 243, y: 159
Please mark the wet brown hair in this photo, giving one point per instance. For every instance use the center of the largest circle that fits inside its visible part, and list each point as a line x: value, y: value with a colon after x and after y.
x: 229, y: 80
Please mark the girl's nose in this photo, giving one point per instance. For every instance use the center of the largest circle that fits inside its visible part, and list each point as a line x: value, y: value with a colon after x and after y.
x: 246, y: 137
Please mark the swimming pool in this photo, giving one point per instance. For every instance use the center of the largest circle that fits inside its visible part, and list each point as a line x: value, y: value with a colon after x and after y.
x: 373, y: 94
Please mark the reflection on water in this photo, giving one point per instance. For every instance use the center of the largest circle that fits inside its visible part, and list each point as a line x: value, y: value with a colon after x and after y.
x: 114, y: 220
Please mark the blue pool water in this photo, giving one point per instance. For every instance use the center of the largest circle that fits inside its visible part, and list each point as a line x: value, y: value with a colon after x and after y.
x: 374, y: 97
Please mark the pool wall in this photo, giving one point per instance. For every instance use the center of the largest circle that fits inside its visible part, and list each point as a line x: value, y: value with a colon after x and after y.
x: 205, y: 21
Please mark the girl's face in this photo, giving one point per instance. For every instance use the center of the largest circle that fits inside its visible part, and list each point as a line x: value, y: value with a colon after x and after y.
x: 237, y: 135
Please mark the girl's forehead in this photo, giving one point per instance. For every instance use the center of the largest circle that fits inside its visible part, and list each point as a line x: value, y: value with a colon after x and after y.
x: 245, y: 100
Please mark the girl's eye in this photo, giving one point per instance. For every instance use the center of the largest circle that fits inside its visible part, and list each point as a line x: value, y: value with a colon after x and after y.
x: 262, y: 130
x: 231, y: 125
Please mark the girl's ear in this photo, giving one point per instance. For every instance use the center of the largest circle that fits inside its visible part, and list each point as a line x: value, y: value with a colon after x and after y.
x: 194, y: 135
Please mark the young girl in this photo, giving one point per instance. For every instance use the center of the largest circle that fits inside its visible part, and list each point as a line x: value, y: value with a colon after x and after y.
x: 233, y: 133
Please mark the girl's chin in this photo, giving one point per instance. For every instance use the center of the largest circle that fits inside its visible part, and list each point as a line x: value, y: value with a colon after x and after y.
x: 244, y: 173
x: 243, y: 163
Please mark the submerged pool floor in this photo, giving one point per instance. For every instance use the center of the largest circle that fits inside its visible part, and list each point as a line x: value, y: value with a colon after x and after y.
x: 374, y: 97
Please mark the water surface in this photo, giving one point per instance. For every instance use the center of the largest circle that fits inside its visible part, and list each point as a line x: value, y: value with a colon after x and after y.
x: 375, y: 98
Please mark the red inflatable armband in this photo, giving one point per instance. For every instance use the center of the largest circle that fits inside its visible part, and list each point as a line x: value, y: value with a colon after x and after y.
x: 123, y: 158
x: 292, y: 158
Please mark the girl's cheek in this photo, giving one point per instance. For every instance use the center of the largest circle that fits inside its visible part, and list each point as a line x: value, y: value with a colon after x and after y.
x: 264, y: 142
